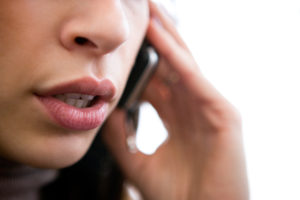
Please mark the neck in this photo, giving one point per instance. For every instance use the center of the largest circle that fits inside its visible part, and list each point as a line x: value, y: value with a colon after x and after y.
x: 18, y: 181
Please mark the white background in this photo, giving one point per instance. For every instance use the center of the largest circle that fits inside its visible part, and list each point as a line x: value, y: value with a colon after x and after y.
x: 250, y: 50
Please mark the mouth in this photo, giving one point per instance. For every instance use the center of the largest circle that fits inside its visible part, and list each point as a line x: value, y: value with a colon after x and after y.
x: 78, y: 100
x: 78, y: 105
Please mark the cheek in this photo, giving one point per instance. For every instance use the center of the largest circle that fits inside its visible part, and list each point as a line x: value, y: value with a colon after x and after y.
x: 25, y: 33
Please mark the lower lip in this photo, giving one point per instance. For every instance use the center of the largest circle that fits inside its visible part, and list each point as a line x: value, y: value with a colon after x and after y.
x: 74, y: 118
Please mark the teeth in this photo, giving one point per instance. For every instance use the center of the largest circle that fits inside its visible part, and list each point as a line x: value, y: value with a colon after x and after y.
x: 85, y: 103
x: 75, y: 99
x: 87, y: 97
x: 79, y: 103
x: 71, y: 102
x: 73, y: 95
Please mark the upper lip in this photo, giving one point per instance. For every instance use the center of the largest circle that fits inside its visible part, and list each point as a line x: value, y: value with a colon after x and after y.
x: 90, y: 86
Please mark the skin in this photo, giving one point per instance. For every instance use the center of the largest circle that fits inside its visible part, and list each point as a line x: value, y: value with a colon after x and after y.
x: 38, y: 52
x: 203, y: 157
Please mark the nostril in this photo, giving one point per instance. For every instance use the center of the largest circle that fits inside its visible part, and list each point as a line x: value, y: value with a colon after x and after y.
x: 82, y: 41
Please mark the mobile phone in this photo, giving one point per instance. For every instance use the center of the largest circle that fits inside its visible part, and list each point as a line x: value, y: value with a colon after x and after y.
x: 144, y: 67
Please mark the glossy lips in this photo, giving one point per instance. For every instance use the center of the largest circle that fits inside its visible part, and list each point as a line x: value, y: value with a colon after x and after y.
x: 79, y: 105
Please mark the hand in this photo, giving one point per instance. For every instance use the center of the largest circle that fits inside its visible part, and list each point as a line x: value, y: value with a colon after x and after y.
x: 203, y: 157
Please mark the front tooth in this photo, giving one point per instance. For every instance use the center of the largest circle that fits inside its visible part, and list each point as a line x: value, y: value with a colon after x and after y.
x: 85, y: 104
x: 79, y: 103
x: 73, y: 95
x: 71, y: 102
x: 87, y: 97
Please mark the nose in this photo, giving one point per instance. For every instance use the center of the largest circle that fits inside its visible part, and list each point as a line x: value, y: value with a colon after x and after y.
x: 96, y: 27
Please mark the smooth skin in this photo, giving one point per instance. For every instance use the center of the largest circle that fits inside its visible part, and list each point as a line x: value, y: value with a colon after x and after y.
x: 203, y: 158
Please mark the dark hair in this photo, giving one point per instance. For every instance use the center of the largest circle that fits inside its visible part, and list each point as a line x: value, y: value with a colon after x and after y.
x: 95, y: 176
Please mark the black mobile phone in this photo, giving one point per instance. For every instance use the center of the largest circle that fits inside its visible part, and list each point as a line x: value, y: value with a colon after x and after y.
x: 145, y: 65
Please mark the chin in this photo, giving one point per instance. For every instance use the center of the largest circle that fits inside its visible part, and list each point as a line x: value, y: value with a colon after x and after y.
x: 52, y: 152
x: 55, y: 160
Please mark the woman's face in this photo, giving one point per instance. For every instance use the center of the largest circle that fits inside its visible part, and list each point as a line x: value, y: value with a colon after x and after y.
x: 51, y: 49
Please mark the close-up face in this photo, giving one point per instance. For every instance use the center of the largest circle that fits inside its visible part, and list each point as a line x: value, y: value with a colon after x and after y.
x: 63, y: 67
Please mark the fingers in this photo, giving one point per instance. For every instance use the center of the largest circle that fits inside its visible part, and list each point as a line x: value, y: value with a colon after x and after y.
x: 166, y: 21
x: 178, y: 86
x: 178, y: 60
x: 181, y: 64
x: 163, y: 35
x: 165, y: 44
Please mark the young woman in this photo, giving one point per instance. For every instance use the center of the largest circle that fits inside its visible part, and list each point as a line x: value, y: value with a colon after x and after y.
x: 63, y: 67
